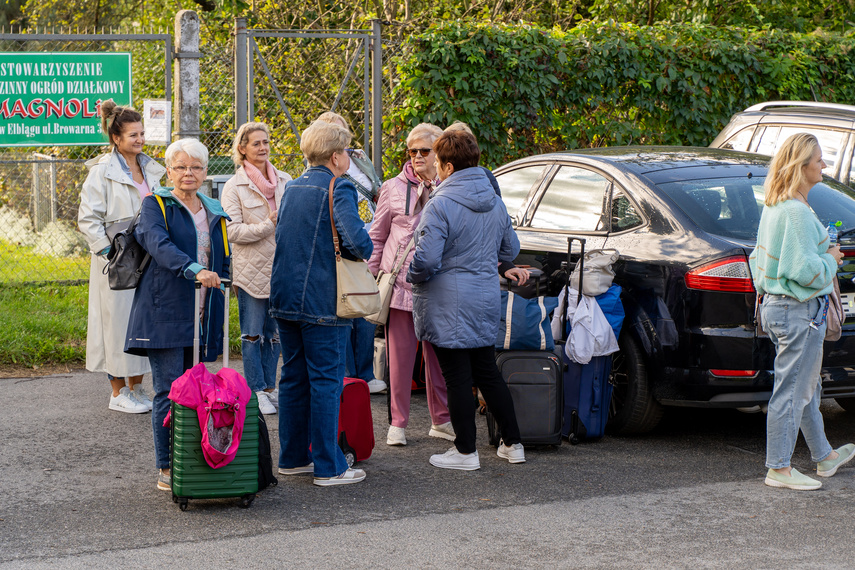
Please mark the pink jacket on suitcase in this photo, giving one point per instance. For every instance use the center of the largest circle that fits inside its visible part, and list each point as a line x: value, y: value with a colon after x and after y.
x: 220, y: 402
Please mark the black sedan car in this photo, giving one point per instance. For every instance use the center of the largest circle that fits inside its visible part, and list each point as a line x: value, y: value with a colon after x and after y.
x: 684, y: 221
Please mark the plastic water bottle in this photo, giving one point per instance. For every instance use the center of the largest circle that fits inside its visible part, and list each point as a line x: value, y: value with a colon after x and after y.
x: 832, y: 233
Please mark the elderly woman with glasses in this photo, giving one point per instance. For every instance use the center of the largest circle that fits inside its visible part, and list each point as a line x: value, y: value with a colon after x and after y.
x: 399, y: 210
x: 185, y: 234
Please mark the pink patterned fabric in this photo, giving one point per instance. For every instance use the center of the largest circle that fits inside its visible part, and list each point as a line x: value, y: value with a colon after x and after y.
x: 220, y: 402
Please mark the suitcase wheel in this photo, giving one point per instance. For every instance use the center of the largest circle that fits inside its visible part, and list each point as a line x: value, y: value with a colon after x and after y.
x: 174, y: 498
x: 182, y: 504
x: 349, y: 456
x: 246, y: 500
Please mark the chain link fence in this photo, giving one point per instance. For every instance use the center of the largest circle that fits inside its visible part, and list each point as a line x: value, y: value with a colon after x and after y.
x: 295, y: 79
x: 40, y: 186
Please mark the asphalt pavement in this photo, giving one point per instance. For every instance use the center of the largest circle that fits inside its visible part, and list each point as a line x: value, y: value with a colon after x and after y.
x: 79, y: 492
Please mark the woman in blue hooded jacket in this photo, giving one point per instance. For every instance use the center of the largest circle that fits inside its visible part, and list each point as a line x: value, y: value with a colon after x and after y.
x: 464, y: 233
x: 185, y: 234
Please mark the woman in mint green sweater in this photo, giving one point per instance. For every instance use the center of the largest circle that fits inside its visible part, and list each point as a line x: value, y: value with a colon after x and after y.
x: 793, y: 266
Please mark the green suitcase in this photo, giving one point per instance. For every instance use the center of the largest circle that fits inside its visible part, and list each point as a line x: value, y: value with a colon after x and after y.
x: 193, y: 478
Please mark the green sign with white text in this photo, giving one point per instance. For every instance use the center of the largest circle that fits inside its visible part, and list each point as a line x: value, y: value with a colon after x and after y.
x: 54, y: 99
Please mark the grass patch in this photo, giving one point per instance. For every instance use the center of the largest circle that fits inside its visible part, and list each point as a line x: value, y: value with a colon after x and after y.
x: 19, y: 265
x: 44, y: 325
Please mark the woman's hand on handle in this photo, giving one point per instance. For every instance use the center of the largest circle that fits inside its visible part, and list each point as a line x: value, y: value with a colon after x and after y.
x: 208, y: 278
x: 518, y: 274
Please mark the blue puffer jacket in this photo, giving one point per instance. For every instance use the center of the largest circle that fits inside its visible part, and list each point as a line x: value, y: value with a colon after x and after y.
x: 303, y: 285
x: 464, y: 232
x: 162, y: 312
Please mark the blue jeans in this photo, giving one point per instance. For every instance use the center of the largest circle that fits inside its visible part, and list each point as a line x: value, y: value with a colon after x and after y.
x: 260, y: 356
x: 798, y: 387
x: 309, y: 396
x: 167, y: 364
x: 360, y: 351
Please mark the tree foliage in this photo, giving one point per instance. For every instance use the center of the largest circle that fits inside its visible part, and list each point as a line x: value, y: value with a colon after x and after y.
x: 527, y: 90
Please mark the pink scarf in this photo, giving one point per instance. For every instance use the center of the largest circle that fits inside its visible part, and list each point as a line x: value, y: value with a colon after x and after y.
x: 267, y: 187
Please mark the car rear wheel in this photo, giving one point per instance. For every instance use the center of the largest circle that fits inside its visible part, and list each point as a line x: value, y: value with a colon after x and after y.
x: 632, y: 409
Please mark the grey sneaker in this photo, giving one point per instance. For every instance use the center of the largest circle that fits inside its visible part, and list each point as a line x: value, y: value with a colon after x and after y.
x: 795, y: 481
x: 829, y: 467
x: 125, y: 402
x: 274, y: 398
x: 164, y: 480
x: 346, y: 478
x: 513, y: 453
x: 304, y: 470
x: 453, y: 459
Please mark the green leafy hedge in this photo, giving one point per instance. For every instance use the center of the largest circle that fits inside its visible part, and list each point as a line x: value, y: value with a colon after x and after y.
x: 526, y: 90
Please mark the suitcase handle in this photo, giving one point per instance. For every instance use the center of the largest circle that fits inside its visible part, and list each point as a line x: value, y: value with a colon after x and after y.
x: 581, y: 262
x: 197, y: 323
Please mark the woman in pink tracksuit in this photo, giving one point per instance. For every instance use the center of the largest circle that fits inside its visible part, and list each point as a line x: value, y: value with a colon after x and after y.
x: 399, y: 210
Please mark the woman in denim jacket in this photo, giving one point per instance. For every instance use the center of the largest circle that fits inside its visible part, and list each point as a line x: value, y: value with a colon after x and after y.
x: 793, y: 267
x: 303, y: 302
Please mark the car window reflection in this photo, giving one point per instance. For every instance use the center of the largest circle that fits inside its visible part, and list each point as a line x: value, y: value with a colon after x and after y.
x: 573, y: 201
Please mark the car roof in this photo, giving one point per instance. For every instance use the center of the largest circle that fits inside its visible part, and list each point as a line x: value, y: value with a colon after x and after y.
x: 807, y: 108
x: 665, y: 163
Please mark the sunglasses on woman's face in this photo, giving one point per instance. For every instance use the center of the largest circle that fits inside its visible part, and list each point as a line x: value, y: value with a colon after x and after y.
x: 422, y: 151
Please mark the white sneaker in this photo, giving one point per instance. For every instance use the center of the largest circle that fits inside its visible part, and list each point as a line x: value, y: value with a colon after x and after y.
x: 445, y: 431
x: 264, y: 405
x: 126, y: 403
x: 453, y: 459
x: 375, y: 386
x: 304, y: 470
x: 513, y: 453
x: 274, y: 398
x: 396, y: 436
x: 349, y: 476
x: 140, y: 395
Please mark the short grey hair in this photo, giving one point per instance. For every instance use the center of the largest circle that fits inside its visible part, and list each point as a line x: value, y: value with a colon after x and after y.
x: 242, y: 139
x: 192, y: 147
x: 321, y: 140
x: 424, y: 130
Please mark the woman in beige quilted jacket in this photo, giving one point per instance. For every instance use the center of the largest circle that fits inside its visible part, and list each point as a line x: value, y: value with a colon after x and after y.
x: 251, y: 199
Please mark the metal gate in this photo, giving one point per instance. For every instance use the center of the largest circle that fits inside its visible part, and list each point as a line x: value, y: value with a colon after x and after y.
x: 40, y: 187
x: 286, y: 78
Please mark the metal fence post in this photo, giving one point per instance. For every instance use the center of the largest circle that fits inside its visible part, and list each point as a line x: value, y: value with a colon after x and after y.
x: 187, y: 74
x: 37, y: 217
x: 53, y: 188
x: 241, y: 76
x: 377, y: 97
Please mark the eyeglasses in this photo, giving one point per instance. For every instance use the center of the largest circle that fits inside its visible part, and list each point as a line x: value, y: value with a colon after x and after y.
x: 422, y: 151
x: 182, y: 169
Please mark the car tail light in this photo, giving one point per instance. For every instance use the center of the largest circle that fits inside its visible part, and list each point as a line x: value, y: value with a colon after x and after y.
x: 733, y: 373
x: 731, y: 274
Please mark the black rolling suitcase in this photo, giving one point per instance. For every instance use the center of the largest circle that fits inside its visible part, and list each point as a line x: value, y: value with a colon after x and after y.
x: 535, y: 379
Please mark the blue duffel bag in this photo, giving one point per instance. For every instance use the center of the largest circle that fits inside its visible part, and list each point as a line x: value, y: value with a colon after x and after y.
x: 525, y: 323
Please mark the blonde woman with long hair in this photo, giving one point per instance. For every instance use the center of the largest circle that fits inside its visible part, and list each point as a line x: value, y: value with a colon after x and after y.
x: 794, y: 266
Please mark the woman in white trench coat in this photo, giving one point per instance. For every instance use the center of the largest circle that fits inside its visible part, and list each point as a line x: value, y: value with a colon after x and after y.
x: 112, y: 193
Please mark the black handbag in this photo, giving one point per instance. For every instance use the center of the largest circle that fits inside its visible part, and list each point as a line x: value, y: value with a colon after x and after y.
x: 126, y: 260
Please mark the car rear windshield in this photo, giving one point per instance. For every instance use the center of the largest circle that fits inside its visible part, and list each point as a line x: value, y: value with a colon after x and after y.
x: 731, y: 207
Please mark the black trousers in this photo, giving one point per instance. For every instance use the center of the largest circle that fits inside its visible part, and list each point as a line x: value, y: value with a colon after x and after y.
x: 463, y: 368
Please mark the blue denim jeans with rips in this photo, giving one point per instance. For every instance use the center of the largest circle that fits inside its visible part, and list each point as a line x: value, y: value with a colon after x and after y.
x: 260, y: 356
x: 798, y: 331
